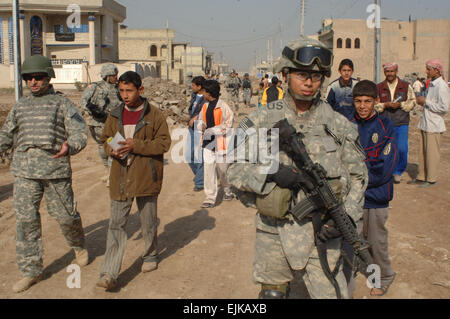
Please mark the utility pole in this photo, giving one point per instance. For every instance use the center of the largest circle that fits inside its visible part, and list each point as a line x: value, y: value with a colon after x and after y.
x: 167, y: 50
x: 281, y: 37
x: 377, y: 41
x: 17, y: 57
x: 302, y: 27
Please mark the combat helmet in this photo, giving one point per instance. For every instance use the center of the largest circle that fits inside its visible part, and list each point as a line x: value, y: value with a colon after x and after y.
x: 108, y: 69
x: 37, y: 64
x: 306, y: 54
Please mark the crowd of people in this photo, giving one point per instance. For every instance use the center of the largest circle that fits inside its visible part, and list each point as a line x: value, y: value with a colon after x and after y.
x: 356, y: 137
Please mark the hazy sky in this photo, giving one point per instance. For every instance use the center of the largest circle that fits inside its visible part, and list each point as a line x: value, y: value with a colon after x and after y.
x: 238, y: 30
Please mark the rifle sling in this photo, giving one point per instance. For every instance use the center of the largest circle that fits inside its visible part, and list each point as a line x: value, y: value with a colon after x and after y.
x: 322, y: 251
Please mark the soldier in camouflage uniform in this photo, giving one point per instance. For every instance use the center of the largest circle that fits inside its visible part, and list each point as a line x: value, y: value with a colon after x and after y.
x: 233, y: 85
x: 105, y: 95
x: 47, y: 129
x: 247, y: 89
x: 284, y: 244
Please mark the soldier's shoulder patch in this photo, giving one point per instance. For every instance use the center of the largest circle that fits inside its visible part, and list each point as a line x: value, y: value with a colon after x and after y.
x: 77, y: 117
x: 387, y: 149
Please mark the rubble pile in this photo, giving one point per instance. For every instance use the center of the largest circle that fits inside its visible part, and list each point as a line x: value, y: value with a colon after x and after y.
x: 170, y: 98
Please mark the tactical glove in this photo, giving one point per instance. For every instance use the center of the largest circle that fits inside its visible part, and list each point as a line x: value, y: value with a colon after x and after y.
x: 328, y: 231
x: 289, y: 177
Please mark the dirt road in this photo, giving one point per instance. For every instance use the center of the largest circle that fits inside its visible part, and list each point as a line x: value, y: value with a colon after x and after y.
x: 208, y: 253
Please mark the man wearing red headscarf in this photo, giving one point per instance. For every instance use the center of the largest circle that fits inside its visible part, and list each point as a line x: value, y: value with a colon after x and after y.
x: 397, y: 99
x: 432, y: 125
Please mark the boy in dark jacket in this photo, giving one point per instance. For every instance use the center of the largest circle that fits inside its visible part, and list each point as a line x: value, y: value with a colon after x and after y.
x: 376, y: 135
x: 136, y: 172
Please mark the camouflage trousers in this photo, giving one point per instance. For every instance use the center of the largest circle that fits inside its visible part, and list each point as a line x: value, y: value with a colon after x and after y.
x: 234, y: 96
x: 96, y: 133
x: 61, y: 206
x: 272, y: 267
x: 247, y: 95
x: 117, y: 236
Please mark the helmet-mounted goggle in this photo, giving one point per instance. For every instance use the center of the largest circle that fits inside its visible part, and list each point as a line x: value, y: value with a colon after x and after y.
x: 306, y: 56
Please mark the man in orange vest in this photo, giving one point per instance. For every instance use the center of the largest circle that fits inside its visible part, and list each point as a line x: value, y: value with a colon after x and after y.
x: 216, y: 123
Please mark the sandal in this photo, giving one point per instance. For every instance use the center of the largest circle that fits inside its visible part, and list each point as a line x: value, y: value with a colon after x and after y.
x: 207, y: 205
x: 384, y: 290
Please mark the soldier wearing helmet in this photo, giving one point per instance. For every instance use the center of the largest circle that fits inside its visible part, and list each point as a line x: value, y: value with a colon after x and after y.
x: 247, y: 89
x: 233, y: 86
x: 98, y: 100
x: 47, y: 129
x: 284, y: 243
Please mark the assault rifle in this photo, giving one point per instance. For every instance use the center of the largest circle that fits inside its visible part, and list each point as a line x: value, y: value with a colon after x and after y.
x: 321, y: 199
x: 97, y: 112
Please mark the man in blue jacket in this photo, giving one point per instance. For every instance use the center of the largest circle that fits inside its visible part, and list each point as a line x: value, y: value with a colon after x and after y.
x: 376, y: 135
x: 194, y: 155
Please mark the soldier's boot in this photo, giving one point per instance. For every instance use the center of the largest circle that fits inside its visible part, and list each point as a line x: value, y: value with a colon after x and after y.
x: 81, y: 257
x: 274, y: 291
x: 25, y: 283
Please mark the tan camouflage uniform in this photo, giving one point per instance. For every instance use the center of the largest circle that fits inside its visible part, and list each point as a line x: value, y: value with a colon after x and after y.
x: 234, y: 85
x: 283, y: 245
x: 105, y: 95
x: 54, y: 119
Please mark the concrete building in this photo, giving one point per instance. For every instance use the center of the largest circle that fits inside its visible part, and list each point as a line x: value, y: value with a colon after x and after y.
x: 46, y: 28
x: 156, y: 54
x: 409, y: 43
x: 148, y: 50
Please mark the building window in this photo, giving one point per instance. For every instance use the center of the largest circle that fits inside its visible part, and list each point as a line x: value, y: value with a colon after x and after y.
x: 163, y: 47
x: 153, y: 50
x: 339, y: 43
x: 84, y: 28
x: 357, y: 43
x: 348, y: 43
x: 58, y: 28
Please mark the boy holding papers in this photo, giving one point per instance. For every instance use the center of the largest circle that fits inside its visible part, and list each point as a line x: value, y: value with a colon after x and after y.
x: 136, y: 172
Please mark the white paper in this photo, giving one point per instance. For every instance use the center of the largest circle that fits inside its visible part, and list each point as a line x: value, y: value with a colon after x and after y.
x: 113, y: 142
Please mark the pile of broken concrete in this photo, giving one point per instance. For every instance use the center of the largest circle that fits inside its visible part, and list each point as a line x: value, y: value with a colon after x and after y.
x: 170, y: 98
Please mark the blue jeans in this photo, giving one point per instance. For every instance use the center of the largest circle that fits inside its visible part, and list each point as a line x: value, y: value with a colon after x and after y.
x: 195, y: 161
x: 401, y: 135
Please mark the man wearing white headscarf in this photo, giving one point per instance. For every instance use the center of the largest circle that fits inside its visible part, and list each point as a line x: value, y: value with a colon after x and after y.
x: 397, y: 99
x: 432, y: 125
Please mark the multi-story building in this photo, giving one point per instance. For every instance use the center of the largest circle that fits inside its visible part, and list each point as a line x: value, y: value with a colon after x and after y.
x: 73, y: 35
x: 409, y: 43
x: 156, y: 54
